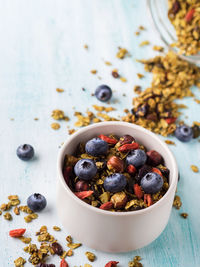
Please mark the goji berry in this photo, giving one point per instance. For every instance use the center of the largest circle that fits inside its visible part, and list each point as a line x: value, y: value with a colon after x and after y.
x: 112, y: 264
x: 131, y: 169
x: 148, y: 200
x: 66, y: 173
x: 157, y: 171
x: 17, y: 232
x: 138, y: 191
x: 107, y: 206
x: 84, y: 194
x: 170, y: 120
x: 63, y: 263
x: 127, y: 147
x: 107, y: 139
x: 189, y: 15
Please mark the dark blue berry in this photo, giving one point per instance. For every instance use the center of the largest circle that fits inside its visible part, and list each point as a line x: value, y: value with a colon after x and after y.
x: 85, y: 169
x: 115, y: 182
x: 151, y: 183
x: 184, y: 133
x: 103, y: 93
x: 36, y: 202
x: 25, y: 152
x: 136, y: 158
x: 96, y: 147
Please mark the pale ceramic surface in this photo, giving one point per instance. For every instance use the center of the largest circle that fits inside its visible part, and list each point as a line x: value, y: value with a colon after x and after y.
x: 103, y: 230
x: 41, y: 49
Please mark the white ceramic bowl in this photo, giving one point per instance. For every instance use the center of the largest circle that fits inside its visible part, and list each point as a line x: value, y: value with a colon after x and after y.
x: 114, y: 231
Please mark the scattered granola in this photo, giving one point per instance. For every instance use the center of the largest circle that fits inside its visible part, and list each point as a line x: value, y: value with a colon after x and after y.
x: 185, y: 17
x: 93, y: 71
x: 123, y: 79
x: 158, y: 48
x: 19, y: 262
x: 8, y: 216
x: 177, y: 202
x: 135, y: 262
x: 184, y: 215
x: 169, y: 142
x: 140, y: 76
x: 85, y: 46
x: 59, y: 90
x: 194, y: 168
x: 55, y: 125
x: 154, y: 108
x: 144, y: 43
x: 56, y: 228
x: 91, y: 257
x: 122, y: 53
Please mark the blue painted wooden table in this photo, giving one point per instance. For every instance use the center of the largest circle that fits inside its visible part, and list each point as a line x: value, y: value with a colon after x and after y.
x: 41, y: 49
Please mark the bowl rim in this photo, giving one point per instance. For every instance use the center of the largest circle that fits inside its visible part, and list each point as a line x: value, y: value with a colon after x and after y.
x: 105, y: 212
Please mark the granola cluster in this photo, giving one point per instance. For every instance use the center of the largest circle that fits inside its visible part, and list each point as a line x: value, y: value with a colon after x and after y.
x: 185, y: 17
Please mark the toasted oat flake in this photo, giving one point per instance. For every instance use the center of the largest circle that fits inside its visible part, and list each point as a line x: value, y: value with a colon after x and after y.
x: 56, y: 228
x: 93, y: 71
x: 177, y: 202
x: 169, y: 142
x: 135, y: 262
x: 122, y: 53
x: 55, y: 126
x: 19, y: 262
x: 158, y: 48
x: 69, y: 239
x: 64, y: 255
x: 91, y: 257
x: 25, y: 240
x: 194, y: 168
x: 144, y: 43
x: 71, y: 131
x: 108, y: 63
x: 70, y: 252
x: 58, y: 114
x: 74, y: 245
x: 123, y: 79
x: 85, y: 46
x: 140, y: 76
x: 87, y: 265
x: 8, y: 216
x: 184, y: 215
x: 59, y: 90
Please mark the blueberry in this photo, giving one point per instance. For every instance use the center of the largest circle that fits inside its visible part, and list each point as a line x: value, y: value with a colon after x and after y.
x: 36, y: 202
x: 85, y: 169
x: 25, y: 152
x: 103, y: 93
x: 151, y: 183
x: 115, y: 182
x: 136, y: 158
x: 96, y: 147
x: 184, y: 133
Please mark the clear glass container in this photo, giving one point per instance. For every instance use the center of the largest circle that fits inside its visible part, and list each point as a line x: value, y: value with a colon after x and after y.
x: 159, y: 14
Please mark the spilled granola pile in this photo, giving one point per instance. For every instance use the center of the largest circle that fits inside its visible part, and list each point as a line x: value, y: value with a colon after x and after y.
x: 185, y: 17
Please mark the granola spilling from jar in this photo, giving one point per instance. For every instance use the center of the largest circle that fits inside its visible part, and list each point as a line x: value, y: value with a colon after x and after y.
x: 116, y: 174
x: 155, y: 108
x: 185, y: 17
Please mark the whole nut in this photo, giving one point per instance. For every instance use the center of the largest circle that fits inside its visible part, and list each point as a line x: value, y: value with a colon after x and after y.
x: 81, y: 186
x: 119, y: 200
x: 154, y: 158
x: 115, y: 164
x: 126, y: 139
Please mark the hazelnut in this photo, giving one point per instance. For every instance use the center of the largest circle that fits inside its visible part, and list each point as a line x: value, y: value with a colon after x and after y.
x: 154, y: 158
x: 119, y: 200
x: 81, y: 186
x: 115, y: 164
x: 126, y: 139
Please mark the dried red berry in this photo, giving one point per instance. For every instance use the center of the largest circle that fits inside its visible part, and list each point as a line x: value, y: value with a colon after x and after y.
x: 170, y: 120
x: 106, y: 206
x: 148, y: 200
x: 66, y: 173
x: 138, y: 191
x: 107, y: 139
x: 57, y: 248
x: 112, y: 264
x: 17, y: 232
x: 157, y: 171
x: 81, y: 186
x: 189, y: 15
x: 84, y: 194
x: 125, y: 148
x: 63, y: 263
x: 131, y: 169
x: 154, y: 158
